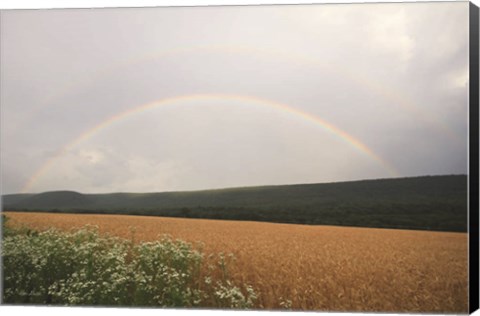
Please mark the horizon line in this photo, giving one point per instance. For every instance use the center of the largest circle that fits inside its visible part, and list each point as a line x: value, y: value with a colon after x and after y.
x: 241, y: 187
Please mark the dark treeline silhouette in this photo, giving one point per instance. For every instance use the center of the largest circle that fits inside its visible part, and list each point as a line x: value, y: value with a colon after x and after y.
x: 425, y: 203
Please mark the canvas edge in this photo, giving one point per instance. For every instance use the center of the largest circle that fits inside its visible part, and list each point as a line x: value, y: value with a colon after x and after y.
x: 474, y: 158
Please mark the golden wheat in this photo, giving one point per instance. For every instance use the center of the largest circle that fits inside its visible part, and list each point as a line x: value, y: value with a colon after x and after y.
x: 311, y: 267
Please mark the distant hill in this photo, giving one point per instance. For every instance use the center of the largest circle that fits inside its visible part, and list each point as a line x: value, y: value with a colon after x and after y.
x: 429, y: 203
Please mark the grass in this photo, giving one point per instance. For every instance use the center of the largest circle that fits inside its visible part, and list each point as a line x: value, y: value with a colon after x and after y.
x: 322, y: 268
x: 83, y: 268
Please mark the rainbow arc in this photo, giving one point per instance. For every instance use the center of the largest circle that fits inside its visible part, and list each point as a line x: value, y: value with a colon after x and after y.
x: 191, y: 99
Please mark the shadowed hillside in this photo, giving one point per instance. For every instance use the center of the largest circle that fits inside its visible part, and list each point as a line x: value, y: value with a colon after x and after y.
x: 430, y: 202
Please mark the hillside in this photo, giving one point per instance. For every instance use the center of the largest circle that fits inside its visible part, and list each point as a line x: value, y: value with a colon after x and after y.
x: 430, y: 202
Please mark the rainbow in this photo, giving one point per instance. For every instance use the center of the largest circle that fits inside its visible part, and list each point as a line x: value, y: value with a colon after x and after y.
x: 326, y: 126
x: 363, y: 80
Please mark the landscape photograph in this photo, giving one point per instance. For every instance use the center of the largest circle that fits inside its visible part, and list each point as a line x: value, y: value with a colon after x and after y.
x: 307, y: 157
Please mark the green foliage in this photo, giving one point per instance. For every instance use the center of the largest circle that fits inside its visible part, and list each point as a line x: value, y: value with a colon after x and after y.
x: 228, y: 295
x: 166, y: 274
x: 431, y: 203
x: 83, y: 268
x: 7, y: 231
x: 4, y: 226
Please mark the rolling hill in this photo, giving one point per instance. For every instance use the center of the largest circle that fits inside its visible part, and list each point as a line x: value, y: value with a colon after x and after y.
x: 426, y: 203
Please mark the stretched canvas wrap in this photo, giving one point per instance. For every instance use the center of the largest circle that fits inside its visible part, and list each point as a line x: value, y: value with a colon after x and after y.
x: 304, y: 157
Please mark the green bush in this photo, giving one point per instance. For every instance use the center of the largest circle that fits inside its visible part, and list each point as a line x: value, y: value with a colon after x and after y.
x: 84, y: 268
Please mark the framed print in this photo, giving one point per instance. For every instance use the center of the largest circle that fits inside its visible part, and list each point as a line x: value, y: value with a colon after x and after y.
x: 318, y: 157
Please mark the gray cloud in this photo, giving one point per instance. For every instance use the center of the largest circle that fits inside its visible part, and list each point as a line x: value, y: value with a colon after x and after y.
x: 391, y: 76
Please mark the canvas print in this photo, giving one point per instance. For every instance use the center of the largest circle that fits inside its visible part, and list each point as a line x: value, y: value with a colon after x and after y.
x: 274, y: 157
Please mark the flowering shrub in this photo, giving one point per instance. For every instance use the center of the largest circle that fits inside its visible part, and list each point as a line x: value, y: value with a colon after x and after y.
x: 84, y: 268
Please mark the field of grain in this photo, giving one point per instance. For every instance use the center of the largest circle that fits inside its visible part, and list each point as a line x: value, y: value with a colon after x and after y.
x: 311, y: 267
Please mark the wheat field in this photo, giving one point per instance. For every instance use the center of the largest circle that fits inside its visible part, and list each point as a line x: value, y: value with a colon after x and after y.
x: 300, y: 267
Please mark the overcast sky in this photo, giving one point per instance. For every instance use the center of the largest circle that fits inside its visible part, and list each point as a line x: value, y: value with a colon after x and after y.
x: 236, y: 96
